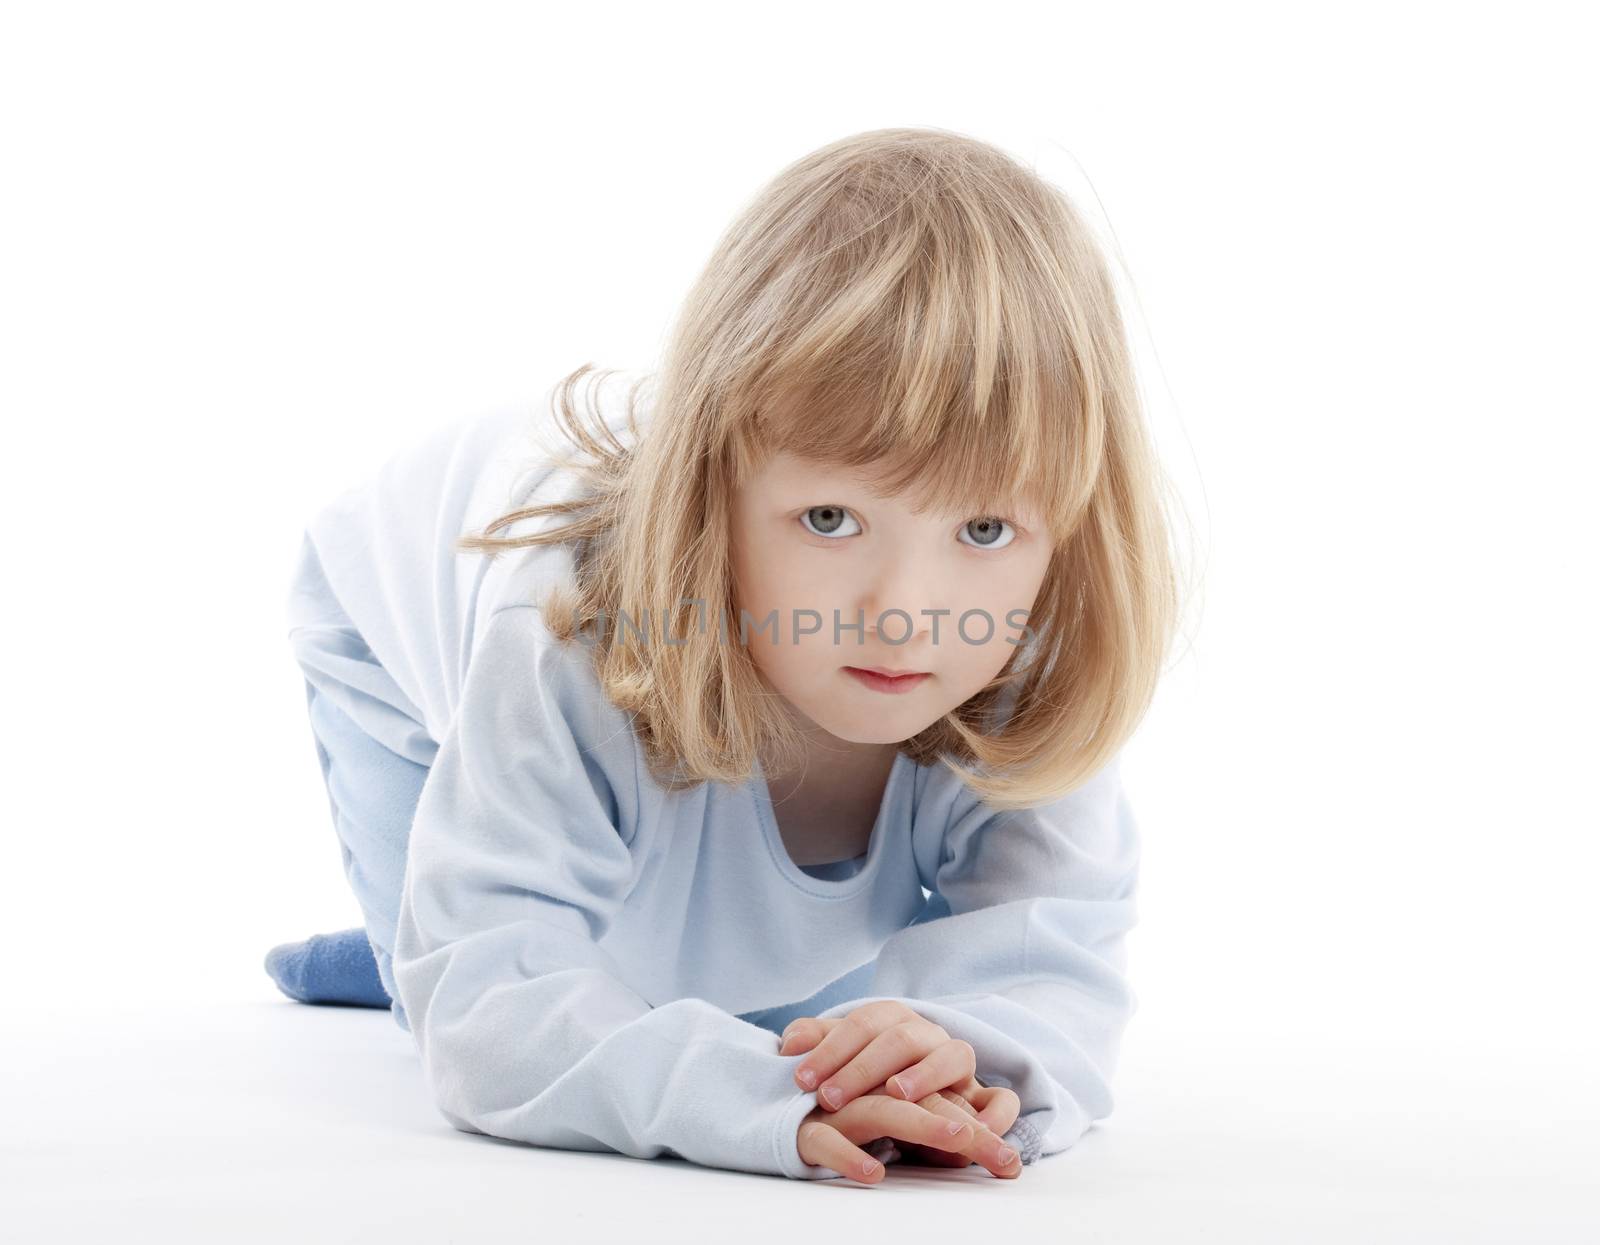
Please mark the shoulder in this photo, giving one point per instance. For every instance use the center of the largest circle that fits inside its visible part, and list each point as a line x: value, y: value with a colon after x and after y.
x: 520, y: 660
x: 1088, y: 833
x: 532, y: 700
x: 522, y: 577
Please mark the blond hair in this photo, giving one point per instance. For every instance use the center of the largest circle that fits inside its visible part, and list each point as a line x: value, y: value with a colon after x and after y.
x: 914, y: 302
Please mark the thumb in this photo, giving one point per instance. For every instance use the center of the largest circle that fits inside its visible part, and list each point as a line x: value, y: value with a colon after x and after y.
x: 803, y: 1034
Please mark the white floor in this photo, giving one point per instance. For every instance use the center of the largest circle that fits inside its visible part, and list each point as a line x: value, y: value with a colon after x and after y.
x: 268, y: 1120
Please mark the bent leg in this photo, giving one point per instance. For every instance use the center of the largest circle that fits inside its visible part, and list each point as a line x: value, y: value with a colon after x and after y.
x: 373, y: 796
x: 375, y: 754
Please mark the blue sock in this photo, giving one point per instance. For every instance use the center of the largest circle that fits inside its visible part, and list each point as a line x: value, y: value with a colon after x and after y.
x: 329, y: 968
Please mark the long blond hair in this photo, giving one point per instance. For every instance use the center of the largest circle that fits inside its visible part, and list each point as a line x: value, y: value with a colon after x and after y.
x: 915, y: 302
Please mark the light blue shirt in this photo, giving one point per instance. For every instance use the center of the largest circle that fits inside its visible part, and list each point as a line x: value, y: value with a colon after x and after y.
x: 590, y: 961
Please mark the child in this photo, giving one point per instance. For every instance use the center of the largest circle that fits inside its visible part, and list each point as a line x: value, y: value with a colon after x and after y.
x: 621, y: 806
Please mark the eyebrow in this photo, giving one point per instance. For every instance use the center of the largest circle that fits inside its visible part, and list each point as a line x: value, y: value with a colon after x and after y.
x: 803, y: 475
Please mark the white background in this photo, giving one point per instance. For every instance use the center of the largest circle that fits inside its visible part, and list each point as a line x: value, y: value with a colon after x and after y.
x: 250, y: 249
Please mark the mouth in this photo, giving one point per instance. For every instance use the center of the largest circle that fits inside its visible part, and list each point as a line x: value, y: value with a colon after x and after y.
x: 880, y: 679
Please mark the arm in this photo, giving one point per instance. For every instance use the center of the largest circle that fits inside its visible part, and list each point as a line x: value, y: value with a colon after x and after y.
x: 525, y: 843
x: 1021, y: 949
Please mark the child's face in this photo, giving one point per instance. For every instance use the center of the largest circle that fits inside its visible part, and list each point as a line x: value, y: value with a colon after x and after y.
x: 814, y: 537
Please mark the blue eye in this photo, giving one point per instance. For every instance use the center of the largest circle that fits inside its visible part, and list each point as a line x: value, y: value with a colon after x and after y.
x: 831, y: 519
x: 988, y: 532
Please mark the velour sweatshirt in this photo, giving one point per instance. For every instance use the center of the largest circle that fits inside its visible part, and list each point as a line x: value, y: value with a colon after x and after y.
x: 591, y: 961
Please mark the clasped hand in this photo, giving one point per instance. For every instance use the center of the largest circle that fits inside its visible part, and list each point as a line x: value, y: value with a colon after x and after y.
x: 886, y: 1071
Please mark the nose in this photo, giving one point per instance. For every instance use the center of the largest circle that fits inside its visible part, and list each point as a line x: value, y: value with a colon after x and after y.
x: 902, y: 582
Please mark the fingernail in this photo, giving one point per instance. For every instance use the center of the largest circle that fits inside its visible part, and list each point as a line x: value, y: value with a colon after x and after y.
x: 901, y: 1087
x: 955, y: 1128
x: 808, y: 1078
x: 1007, y: 1155
x: 783, y: 1047
x: 831, y: 1096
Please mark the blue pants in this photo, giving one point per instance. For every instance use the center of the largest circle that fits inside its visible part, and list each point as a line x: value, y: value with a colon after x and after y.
x: 373, y: 783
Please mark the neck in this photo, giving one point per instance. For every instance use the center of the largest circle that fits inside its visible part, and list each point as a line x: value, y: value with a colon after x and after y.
x: 827, y: 758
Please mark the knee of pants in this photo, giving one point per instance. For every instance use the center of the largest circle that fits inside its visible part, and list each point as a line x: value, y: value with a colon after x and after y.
x: 339, y: 664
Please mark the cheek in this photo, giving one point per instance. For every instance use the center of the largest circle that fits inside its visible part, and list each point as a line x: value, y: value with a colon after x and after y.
x: 752, y: 570
x: 781, y: 584
x: 973, y: 660
x: 988, y: 639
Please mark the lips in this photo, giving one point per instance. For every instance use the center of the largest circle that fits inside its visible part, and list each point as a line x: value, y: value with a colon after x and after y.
x: 872, y: 678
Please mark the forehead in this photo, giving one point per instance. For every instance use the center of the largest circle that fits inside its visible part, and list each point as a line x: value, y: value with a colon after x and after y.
x: 784, y: 467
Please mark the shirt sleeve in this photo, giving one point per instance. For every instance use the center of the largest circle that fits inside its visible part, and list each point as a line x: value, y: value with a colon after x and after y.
x: 525, y: 844
x: 1021, y: 949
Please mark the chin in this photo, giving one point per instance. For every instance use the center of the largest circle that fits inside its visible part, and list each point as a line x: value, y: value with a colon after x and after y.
x: 882, y: 730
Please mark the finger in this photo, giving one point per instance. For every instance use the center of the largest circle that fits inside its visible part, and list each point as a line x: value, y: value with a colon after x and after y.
x: 838, y: 1046
x: 878, y: 1115
x: 803, y: 1033
x: 960, y: 1103
x: 927, y: 1156
x: 967, y: 1090
x: 950, y: 1063
x: 900, y: 1046
x: 825, y: 1146
x: 984, y: 1146
x: 997, y: 1106
x: 845, y: 1039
